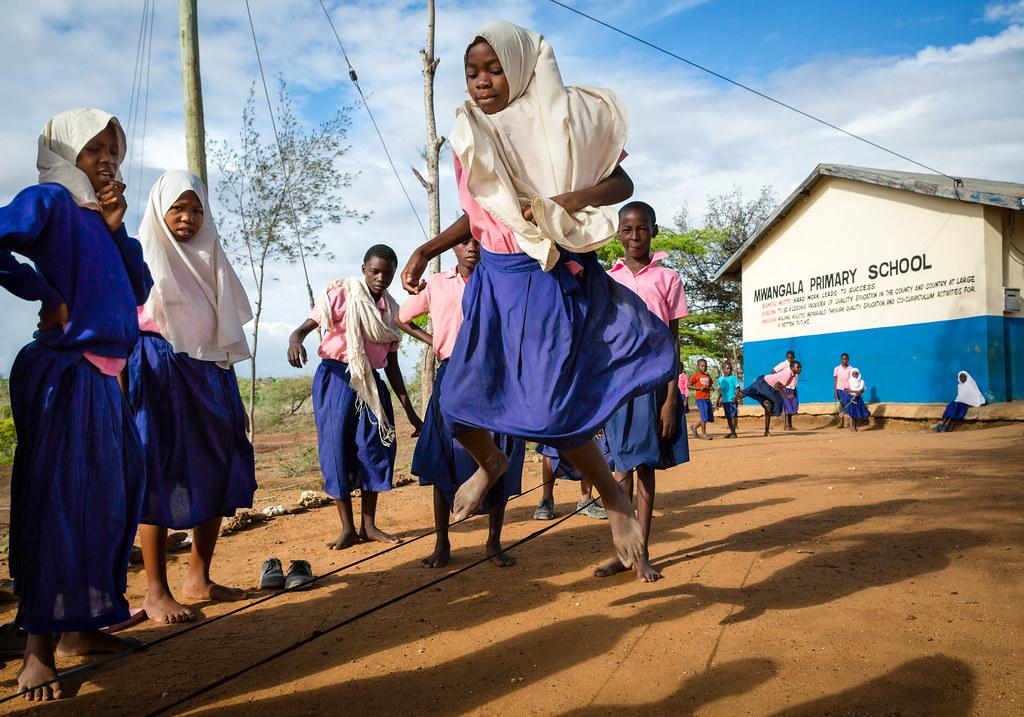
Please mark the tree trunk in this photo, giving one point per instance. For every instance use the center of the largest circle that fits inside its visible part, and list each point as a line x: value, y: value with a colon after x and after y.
x: 430, y: 184
x: 252, y: 383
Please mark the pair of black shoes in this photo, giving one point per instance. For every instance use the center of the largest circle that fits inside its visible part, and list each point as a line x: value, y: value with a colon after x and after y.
x: 299, y: 577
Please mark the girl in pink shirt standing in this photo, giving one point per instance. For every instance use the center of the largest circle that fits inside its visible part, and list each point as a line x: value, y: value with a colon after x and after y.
x: 439, y: 460
x: 841, y: 385
x: 351, y: 405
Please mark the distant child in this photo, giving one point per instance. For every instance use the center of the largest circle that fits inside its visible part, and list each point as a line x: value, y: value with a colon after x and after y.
x: 700, y: 382
x: 79, y: 474
x: 182, y: 387
x: 684, y: 389
x: 767, y: 390
x: 555, y: 465
x: 547, y: 352
x: 968, y: 395
x: 841, y: 382
x: 649, y: 432
x: 853, y: 401
x: 790, y: 398
x: 729, y: 397
x: 439, y: 460
x: 351, y: 405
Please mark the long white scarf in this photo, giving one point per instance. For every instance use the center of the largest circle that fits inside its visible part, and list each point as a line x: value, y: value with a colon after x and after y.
x: 968, y: 391
x: 551, y: 139
x: 197, y: 300
x: 61, y: 141
x: 363, y: 321
x: 856, y: 383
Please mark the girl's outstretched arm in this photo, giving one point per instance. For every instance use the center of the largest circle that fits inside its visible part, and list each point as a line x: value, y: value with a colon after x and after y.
x: 414, y: 268
x: 296, y: 351
x: 416, y: 332
x: 394, y: 374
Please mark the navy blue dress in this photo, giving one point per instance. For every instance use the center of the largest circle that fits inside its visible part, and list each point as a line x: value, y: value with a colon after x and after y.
x: 632, y: 435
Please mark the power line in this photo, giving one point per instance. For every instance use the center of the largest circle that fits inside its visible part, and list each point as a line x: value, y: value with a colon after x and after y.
x: 355, y: 81
x: 750, y: 89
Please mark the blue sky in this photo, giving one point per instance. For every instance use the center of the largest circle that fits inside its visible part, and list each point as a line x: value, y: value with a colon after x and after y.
x: 939, y: 81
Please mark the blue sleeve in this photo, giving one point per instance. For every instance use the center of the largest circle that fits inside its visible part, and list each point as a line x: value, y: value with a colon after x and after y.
x: 134, y: 264
x: 21, y: 223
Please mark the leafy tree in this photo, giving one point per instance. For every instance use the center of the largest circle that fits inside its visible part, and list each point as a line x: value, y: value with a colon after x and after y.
x: 274, y: 197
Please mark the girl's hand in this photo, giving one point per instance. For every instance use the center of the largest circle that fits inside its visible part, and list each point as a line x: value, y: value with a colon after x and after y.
x: 112, y: 204
x: 566, y: 201
x: 412, y: 273
x: 296, y: 354
x: 56, y: 318
x: 668, y: 427
x: 417, y: 425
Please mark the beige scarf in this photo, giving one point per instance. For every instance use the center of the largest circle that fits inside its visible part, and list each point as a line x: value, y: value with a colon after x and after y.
x: 197, y: 300
x: 551, y: 139
x: 61, y: 141
x: 363, y: 321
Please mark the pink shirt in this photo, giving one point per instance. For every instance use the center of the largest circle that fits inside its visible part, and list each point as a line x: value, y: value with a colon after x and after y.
x: 442, y: 299
x: 784, y: 376
x: 146, y: 322
x: 782, y: 365
x: 107, y: 366
x: 334, y: 346
x: 842, y: 376
x: 659, y: 287
x: 684, y: 385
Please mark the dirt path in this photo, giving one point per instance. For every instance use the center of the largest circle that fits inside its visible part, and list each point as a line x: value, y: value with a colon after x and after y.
x: 815, y: 573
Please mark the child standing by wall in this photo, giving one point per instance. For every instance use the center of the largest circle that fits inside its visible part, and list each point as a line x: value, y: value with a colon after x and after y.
x: 351, y: 405
x: 544, y: 354
x: 854, y: 404
x: 439, y: 460
x: 649, y: 432
x: 182, y: 387
x: 78, y: 476
x: 841, y: 382
x: 700, y: 382
x: 729, y: 397
x: 968, y: 395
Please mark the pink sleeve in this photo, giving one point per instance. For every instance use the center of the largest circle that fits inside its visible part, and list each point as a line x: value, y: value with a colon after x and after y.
x: 336, y: 299
x: 415, y: 306
x: 676, y: 298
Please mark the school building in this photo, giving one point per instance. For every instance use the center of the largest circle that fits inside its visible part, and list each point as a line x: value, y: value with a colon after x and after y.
x: 916, y: 276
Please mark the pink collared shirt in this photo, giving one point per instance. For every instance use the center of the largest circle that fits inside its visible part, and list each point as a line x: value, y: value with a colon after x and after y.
x: 842, y: 376
x: 334, y: 346
x: 783, y: 376
x: 784, y: 364
x: 684, y: 385
x: 442, y: 299
x: 659, y: 287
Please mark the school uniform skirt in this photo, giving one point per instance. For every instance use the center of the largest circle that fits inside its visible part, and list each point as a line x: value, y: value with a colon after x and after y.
x: 632, y: 435
x: 955, y: 411
x: 547, y: 356
x: 189, y: 414
x: 352, y: 454
x: 76, y: 492
x: 441, y: 461
x: 761, y: 392
x: 853, y: 406
x: 790, y: 401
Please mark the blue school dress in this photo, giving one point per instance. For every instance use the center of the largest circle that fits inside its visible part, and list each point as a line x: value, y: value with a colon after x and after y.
x: 352, y: 454
x: 79, y: 474
x: 547, y: 356
x: 439, y: 460
x: 761, y: 392
x: 632, y: 435
x: 189, y: 414
x: 955, y: 411
x: 853, y: 406
x: 790, y: 401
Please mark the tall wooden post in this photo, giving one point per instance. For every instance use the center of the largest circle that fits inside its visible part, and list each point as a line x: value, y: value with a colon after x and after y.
x: 195, y: 131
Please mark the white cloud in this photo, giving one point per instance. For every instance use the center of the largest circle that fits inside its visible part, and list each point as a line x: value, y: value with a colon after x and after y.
x: 1005, y: 12
x: 956, y: 108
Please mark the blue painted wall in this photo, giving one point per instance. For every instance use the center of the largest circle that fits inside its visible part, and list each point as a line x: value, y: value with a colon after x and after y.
x: 916, y: 363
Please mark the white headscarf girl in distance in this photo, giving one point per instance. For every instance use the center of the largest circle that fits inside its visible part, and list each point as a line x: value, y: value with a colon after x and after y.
x: 61, y: 141
x: 856, y: 383
x: 197, y: 300
x: 550, y: 139
x: 967, y: 390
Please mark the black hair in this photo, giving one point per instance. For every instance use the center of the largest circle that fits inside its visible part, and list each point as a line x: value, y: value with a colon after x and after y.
x: 797, y: 363
x: 381, y: 251
x: 641, y: 207
x: 791, y: 351
x: 844, y: 354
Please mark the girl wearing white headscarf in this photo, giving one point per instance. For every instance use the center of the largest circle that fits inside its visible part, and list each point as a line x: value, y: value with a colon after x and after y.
x: 188, y: 408
x: 550, y: 346
x: 78, y: 474
x: 968, y: 395
x: 854, y: 406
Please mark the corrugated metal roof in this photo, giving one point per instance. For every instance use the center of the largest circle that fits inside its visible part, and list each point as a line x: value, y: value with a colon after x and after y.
x: 976, y: 191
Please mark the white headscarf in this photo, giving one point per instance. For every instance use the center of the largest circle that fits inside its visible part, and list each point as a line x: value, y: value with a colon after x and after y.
x: 856, y: 383
x: 551, y: 139
x: 60, y: 143
x: 968, y: 391
x: 197, y: 300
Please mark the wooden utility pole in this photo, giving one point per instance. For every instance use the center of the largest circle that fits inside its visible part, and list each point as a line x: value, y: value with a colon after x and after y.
x: 195, y: 131
x: 432, y: 156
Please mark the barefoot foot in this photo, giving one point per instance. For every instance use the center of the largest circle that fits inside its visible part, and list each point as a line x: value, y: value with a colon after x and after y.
x: 498, y: 556
x: 471, y: 494
x: 372, y: 532
x: 39, y: 668
x: 209, y: 590
x: 627, y: 534
x: 609, y: 568
x: 77, y: 644
x: 441, y: 556
x: 345, y: 540
x: 163, y: 608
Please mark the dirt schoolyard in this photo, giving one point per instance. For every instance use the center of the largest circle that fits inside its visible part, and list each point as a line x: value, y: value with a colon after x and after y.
x: 812, y: 573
